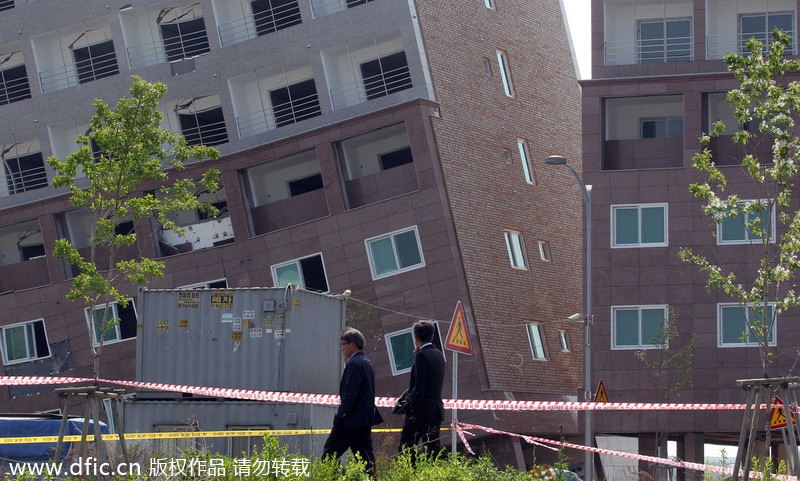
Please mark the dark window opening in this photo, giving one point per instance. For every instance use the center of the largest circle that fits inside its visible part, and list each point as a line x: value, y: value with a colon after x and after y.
x: 222, y: 284
x: 95, y: 61
x: 386, y: 75
x: 31, y: 252
x: 127, y: 320
x: 14, y: 85
x: 306, y: 184
x: 204, y: 128
x: 6, y: 5
x: 295, y: 103
x: 353, y: 3
x: 662, y: 128
x: 397, y: 158
x: 272, y: 15
x: 124, y: 228
x: 25, y: 173
x: 314, y: 274
x: 40, y: 340
x: 222, y: 207
x: 185, y: 39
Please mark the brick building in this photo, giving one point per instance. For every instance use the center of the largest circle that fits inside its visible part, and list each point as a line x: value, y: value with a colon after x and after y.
x: 658, y: 81
x: 389, y: 147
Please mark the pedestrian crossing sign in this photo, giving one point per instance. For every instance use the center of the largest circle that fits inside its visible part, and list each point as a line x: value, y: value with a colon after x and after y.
x: 778, y: 415
x: 602, y: 395
x: 458, y: 335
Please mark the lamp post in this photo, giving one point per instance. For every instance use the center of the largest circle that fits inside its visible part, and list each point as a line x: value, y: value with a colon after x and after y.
x: 586, y: 191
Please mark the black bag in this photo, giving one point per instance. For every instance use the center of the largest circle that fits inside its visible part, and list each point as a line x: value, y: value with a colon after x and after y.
x: 403, y: 403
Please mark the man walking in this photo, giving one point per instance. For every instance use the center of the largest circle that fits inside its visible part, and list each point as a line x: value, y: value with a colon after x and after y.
x: 352, y: 424
x: 425, y: 411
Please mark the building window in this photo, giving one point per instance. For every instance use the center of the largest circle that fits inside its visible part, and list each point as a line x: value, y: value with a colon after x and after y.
x: 246, y: 446
x: 294, y: 103
x: 308, y: 272
x: 667, y: 40
x: 386, y: 75
x: 201, y: 120
x: 516, y: 249
x: 24, y: 172
x: 744, y: 228
x: 489, y: 3
x: 273, y: 15
x: 741, y: 326
x: 218, y: 284
x: 544, y: 250
x: 536, y: 341
x: 400, y: 346
x: 505, y: 73
x: 354, y: 3
x: 14, y: 85
x: 120, y: 322
x: 639, y: 225
x: 175, y: 447
x: 394, y: 253
x: 507, y: 156
x: 25, y: 342
x: 637, y: 327
x: 305, y: 184
x: 662, y: 128
x: 6, y: 5
x: 761, y: 25
x: 522, y: 146
x: 487, y: 67
x: 563, y: 338
x: 184, y: 39
x: 95, y: 61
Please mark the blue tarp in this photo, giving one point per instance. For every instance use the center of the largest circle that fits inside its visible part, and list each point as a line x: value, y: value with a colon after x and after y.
x: 14, y: 427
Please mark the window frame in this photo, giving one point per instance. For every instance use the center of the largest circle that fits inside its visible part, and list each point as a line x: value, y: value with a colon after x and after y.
x: 505, y: 73
x: 741, y: 47
x: 747, y: 240
x: 525, y: 157
x: 117, y: 331
x: 489, y: 4
x: 639, y: 244
x: 27, y: 331
x: 639, y: 308
x: 409, y: 331
x: 563, y: 339
x: 250, y: 441
x: 508, y: 234
x: 667, y: 121
x: 537, y: 356
x: 722, y: 344
x: 205, y: 285
x: 391, y: 236
x: 544, y: 251
x: 296, y: 261
x: 664, y: 47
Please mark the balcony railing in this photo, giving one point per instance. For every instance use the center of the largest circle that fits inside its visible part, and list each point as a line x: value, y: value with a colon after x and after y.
x: 14, y: 90
x: 6, y: 4
x: 262, y: 23
x: 23, y: 181
x: 322, y: 8
x: 372, y: 87
x: 186, y: 45
x: 140, y: 56
x: 206, y: 134
x: 626, y: 52
x: 81, y: 72
x: 268, y: 119
x: 717, y: 46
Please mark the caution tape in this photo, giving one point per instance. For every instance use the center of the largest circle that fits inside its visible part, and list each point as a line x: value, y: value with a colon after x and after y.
x: 461, y: 429
x: 387, y: 402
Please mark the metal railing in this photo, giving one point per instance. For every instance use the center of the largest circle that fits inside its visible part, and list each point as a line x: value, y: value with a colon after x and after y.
x: 207, y: 134
x: 322, y: 8
x: 626, y: 52
x: 14, y: 90
x: 717, y: 46
x: 287, y: 114
x: 145, y: 55
x: 371, y: 87
x: 262, y: 23
x: 186, y: 45
x: 23, y: 181
x: 83, y: 71
x: 6, y: 4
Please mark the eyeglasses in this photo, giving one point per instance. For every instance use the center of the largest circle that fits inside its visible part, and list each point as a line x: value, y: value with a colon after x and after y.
x: 344, y: 343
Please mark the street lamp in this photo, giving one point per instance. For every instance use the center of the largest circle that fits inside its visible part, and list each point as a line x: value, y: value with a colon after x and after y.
x: 586, y: 191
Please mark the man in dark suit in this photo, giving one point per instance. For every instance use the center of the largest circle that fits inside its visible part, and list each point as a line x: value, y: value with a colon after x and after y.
x: 425, y: 411
x: 352, y: 424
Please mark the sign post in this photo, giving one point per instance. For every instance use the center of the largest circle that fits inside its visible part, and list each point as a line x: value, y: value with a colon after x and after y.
x: 457, y: 341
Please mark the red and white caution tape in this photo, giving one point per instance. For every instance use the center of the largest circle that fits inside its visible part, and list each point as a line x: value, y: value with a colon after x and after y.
x: 332, y: 399
x: 459, y: 427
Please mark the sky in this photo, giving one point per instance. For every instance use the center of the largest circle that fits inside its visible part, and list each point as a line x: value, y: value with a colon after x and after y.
x: 579, y: 26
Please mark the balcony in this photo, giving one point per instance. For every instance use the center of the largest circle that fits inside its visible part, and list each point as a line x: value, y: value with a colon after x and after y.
x: 376, y: 166
x: 644, y: 31
x: 23, y: 264
x: 77, y: 226
x: 643, y: 133
x: 22, y: 167
x: 201, y: 231
x: 14, y: 84
x: 198, y: 117
x: 323, y: 8
x: 239, y: 23
x: 284, y: 192
x: 728, y: 28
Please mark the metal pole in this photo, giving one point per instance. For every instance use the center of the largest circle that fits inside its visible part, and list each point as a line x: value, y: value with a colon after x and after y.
x: 455, y: 396
x: 587, y: 352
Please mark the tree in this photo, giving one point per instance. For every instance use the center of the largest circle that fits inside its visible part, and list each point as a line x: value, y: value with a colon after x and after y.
x: 766, y: 106
x: 131, y: 150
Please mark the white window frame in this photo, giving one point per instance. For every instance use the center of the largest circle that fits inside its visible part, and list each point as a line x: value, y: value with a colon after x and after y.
x: 203, y: 285
x: 115, y: 314
x: 639, y: 244
x: 489, y: 4
x: 400, y: 270
x: 641, y: 344
x: 524, y: 155
x: 6, y: 361
x: 274, y: 268
x: 720, y: 343
x: 248, y: 439
x: 544, y: 251
x: 537, y: 356
x: 505, y: 73
x: 563, y: 338
x: 402, y: 332
x: 747, y: 239
x: 513, y: 253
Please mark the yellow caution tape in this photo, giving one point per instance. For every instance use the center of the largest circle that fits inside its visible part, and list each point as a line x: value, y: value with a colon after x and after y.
x: 181, y: 435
